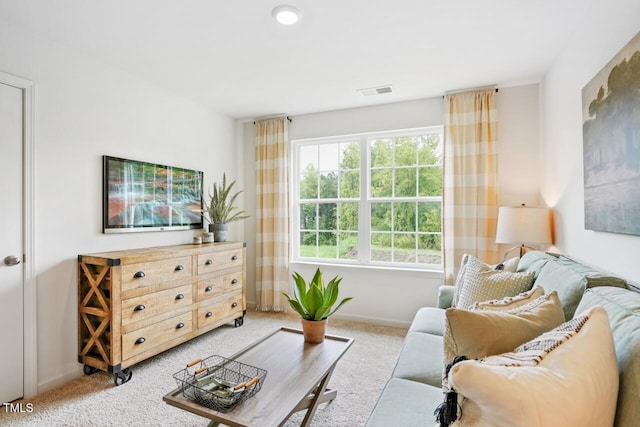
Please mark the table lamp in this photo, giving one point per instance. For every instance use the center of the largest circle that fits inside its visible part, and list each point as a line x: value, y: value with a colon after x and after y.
x: 523, y: 225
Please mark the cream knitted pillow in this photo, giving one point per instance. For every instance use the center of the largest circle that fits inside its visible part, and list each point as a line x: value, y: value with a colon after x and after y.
x: 482, y: 283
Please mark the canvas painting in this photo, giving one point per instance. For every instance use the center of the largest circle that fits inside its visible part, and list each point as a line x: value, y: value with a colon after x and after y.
x: 611, y: 138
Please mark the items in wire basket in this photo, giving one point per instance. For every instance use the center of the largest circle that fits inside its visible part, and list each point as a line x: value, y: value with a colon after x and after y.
x: 219, y: 383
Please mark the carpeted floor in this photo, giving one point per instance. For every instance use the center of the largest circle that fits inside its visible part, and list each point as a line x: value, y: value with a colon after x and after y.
x: 95, y: 401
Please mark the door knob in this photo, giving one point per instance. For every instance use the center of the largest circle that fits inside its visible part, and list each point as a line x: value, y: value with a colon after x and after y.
x: 11, y: 260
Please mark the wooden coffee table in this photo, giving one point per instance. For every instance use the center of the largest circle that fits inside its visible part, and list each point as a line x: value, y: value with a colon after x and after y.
x: 297, y: 377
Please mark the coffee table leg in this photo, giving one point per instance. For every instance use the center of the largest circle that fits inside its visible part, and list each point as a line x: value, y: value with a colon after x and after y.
x: 316, y: 399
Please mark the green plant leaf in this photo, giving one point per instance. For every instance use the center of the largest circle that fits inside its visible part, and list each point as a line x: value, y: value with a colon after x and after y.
x: 296, y: 306
x: 317, y: 279
x: 301, y: 286
x: 331, y: 292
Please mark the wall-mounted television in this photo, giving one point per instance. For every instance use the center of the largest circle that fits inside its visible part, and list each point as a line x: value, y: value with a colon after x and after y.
x: 143, y: 196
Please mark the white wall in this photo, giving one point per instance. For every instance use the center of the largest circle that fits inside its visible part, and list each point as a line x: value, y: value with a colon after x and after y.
x: 392, y: 296
x: 85, y: 109
x: 561, y: 139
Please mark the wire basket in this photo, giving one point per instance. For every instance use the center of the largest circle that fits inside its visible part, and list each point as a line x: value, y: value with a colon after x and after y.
x: 219, y: 383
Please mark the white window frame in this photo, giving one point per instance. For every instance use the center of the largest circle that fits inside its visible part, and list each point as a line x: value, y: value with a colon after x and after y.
x: 365, y: 201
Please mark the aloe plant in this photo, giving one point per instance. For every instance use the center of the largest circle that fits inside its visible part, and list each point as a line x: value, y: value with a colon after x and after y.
x: 315, y: 301
x: 221, y: 208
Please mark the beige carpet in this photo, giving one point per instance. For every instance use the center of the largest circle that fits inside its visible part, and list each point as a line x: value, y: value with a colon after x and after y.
x: 95, y: 401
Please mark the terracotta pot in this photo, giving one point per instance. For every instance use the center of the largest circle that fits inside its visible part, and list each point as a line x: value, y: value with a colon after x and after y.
x: 313, y: 330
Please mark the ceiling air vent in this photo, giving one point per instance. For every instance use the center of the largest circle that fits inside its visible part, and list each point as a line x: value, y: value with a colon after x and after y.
x: 375, y: 90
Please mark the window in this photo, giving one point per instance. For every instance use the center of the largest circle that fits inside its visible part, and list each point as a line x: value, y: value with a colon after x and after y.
x: 372, y: 199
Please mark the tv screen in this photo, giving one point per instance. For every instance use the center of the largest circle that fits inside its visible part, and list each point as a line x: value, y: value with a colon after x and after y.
x: 143, y: 196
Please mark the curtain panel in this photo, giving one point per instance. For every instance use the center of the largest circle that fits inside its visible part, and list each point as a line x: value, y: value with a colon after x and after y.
x: 470, y: 201
x: 272, y: 214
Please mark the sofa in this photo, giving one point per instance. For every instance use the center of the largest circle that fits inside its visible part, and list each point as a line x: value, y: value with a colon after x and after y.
x: 414, y: 390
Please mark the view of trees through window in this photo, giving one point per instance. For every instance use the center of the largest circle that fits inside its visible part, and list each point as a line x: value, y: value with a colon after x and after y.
x: 373, y: 199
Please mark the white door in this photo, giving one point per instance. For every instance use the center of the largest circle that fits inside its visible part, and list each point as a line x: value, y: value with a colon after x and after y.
x: 11, y: 244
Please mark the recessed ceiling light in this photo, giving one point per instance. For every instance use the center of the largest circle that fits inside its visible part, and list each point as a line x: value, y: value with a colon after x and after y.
x: 286, y: 15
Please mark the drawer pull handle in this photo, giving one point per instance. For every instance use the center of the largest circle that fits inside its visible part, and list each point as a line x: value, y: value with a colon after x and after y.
x: 208, y: 289
x: 139, y: 275
x: 209, y: 314
x: 139, y: 307
x: 234, y: 258
x: 180, y: 325
x: 179, y: 296
x: 179, y: 267
x: 208, y: 262
x: 140, y: 340
x: 234, y: 281
x: 234, y: 305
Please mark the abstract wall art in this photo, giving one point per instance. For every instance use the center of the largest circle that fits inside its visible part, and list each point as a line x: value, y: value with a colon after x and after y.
x: 611, y: 144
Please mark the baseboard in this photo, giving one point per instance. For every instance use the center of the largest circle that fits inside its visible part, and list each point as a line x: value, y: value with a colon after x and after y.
x: 355, y: 318
x: 60, y: 380
x: 373, y: 320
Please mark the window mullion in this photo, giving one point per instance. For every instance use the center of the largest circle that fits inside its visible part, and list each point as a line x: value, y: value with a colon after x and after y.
x: 364, y: 207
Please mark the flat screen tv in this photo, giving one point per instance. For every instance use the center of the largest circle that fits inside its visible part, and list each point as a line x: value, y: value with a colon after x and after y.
x: 143, y: 196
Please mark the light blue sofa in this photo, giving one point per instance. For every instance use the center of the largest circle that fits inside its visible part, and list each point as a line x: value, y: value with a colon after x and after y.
x: 414, y: 390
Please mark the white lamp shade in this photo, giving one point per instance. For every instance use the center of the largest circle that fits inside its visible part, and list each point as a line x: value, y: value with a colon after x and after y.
x: 523, y: 224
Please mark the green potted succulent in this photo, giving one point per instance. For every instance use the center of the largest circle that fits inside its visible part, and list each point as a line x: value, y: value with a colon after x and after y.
x: 221, y: 210
x: 314, y: 302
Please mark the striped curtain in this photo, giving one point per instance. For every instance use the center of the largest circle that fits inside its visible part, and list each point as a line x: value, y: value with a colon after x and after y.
x: 272, y: 214
x: 470, y: 179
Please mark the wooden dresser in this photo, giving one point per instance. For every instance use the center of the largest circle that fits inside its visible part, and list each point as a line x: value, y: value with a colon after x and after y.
x: 134, y: 304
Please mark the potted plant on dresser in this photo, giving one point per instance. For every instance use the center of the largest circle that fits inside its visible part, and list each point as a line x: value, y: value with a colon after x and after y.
x: 221, y: 209
x: 314, y: 302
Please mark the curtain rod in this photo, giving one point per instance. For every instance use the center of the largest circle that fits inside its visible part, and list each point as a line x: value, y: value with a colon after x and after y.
x: 454, y: 92
x: 274, y: 117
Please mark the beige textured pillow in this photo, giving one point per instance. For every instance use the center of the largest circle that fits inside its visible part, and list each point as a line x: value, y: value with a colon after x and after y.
x: 482, y: 283
x: 509, y: 303
x: 481, y: 333
x: 566, y: 377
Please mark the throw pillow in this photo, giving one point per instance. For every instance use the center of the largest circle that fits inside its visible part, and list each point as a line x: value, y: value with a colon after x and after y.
x: 565, y: 377
x: 457, y: 287
x: 482, y: 283
x: 481, y: 333
x: 509, y: 265
x: 509, y: 303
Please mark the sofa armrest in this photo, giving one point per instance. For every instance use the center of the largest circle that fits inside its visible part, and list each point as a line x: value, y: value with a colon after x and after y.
x: 445, y: 296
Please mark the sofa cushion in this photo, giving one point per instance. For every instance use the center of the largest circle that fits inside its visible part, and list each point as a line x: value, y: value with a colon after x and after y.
x: 623, y: 309
x: 405, y: 403
x: 570, y: 279
x: 421, y: 359
x: 482, y: 283
x: 533, y: 261
x: 480, y: 333
x: 509, y: 303
x: 566, y: 377
x: 429, y: 320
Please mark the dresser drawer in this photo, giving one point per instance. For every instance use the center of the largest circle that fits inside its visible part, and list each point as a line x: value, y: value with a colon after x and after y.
x: 215, y: 286
x: 146, y: 338
x: 220, y: 309
x: 216, y: 261
x: 154, y: 272
x: 147, y: 306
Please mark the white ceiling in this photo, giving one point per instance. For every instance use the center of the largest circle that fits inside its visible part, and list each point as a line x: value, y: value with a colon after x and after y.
x: 232, y: 56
